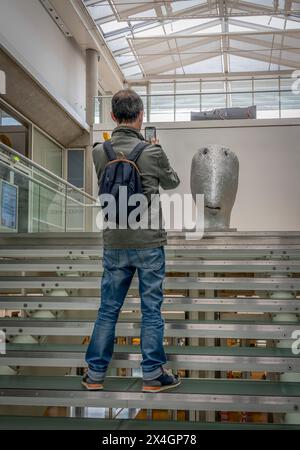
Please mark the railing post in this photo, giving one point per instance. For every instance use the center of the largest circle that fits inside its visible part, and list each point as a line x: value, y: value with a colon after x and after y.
x: 279, y: 96
x: 66, y: 205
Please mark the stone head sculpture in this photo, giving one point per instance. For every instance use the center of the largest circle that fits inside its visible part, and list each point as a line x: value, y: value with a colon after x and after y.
x: 215, y: 173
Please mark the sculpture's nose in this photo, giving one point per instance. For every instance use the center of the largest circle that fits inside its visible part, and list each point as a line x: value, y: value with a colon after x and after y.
x: 213, y: 185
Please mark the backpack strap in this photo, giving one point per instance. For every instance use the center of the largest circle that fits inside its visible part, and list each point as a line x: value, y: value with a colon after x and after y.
x: 136, y: 152
x: 108, y: 148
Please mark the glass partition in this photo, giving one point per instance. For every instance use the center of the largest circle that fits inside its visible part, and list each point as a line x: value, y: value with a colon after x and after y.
x: 290, y: 98
x: 274, y: 97
x: 32, y: 199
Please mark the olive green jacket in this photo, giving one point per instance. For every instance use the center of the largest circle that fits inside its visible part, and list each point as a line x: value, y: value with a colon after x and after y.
x: 155, y: 172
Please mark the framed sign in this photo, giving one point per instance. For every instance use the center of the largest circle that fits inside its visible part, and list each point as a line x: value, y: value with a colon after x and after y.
x: 9, y: 206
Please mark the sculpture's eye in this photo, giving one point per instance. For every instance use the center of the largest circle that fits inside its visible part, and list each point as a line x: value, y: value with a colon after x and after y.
x: 226, y: 152
x: 205, y: 151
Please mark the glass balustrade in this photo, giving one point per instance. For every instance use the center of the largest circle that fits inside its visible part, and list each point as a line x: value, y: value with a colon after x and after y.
x: 32, y: 199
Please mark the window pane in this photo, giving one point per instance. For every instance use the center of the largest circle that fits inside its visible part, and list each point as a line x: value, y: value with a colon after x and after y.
x: 13, y: 133
x: 185, y: 104
x: 210, y: 100
x: 162, y: 88
x: 185, y: 88
x: 290, y: 99
x: 267, y: 105
x: 271, y: 84
x: 47, y: 153
x: 76, y: 168
x: 162, y: 108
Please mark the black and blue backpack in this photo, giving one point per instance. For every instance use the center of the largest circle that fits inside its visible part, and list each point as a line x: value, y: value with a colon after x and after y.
x: 121, y: 171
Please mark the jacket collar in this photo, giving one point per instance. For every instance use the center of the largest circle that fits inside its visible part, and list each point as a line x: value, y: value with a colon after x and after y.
x: 129, y: 131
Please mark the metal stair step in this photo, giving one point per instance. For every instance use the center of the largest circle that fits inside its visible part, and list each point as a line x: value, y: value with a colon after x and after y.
x: 173, y: 328
x: 187, y: 357
x: 176, y: 283
x: 68, y: 423
x: 123, y: 392
x: 203, y: 251
x: 228, y: 304
x: 95, y: 265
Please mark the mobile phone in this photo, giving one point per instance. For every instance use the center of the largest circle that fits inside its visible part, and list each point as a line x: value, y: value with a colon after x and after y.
x: 150, y: 133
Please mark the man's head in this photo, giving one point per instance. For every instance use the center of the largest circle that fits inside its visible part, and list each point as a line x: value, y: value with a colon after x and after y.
x: 127, y: 108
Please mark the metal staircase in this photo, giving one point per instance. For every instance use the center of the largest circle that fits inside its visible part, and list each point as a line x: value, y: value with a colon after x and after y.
x: 231, y: 305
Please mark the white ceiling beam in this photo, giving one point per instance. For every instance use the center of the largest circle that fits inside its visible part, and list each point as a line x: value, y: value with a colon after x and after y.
x: 174, y: 35
x: 252, y: 7
x: 167, y: 67
x: 202, y: 26
x: 224, y: 39
x: 265, y: 58
x: 268, y: 44
x: 290, y: 32
x: 141, y: 7
x: 183, y: 49
x: 252, y: 25
x: 213, y: 76
x: 188, y: 13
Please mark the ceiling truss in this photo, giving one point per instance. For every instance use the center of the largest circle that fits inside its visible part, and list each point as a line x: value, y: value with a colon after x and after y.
x: 173, y: 39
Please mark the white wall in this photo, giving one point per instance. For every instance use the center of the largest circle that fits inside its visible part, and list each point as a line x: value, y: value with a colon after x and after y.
x: 28, y: 31
x: 268, y: 196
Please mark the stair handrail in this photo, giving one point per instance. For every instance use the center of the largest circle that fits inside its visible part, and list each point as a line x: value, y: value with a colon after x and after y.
x: 50, y: 174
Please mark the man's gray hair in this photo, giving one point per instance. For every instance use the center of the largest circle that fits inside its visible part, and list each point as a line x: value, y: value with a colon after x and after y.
x: 126, y: 105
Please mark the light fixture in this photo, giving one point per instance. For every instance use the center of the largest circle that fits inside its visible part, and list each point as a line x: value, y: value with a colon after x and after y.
x: 59, y: 22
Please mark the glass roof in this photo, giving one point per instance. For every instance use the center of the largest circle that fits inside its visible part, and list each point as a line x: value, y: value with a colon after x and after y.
x: 156, y: 38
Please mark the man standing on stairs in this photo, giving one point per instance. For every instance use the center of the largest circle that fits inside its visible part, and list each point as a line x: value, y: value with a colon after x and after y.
x: 129, y: 250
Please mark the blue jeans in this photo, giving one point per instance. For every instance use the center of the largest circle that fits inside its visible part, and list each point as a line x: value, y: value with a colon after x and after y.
x: 119, y: 267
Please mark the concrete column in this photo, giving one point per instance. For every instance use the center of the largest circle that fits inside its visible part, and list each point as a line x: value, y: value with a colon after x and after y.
x: 2, y: 83
x: 92, y: 61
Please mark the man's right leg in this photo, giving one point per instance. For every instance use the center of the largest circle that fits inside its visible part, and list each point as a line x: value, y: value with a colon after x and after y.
x: 116, y: 280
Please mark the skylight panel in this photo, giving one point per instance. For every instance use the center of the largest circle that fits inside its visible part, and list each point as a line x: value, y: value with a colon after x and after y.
x: 241, y: 64
x: 125, y: 59
x: 149, y: 13
x: 150, y: 32
x: 185, y: 24
x: 100, y: 11
x: 186, y: 4
x: 211, y: 65
x: 214, y: 29
x: 132, y: 71
x: 236, y: 28
x: 290, y: 24
x: 268, y: 3
x: 114, y: 25
x: 177, y: 71
x: 118, y: 44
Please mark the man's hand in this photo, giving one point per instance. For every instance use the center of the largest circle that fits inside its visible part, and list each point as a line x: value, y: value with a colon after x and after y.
x: 154, y: 141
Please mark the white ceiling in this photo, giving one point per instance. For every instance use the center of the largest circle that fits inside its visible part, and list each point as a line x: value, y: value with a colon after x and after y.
x: 173, y: 38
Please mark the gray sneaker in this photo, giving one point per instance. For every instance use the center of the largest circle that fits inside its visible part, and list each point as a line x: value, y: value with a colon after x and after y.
x: 165, y: 381
x: 91, y: 385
